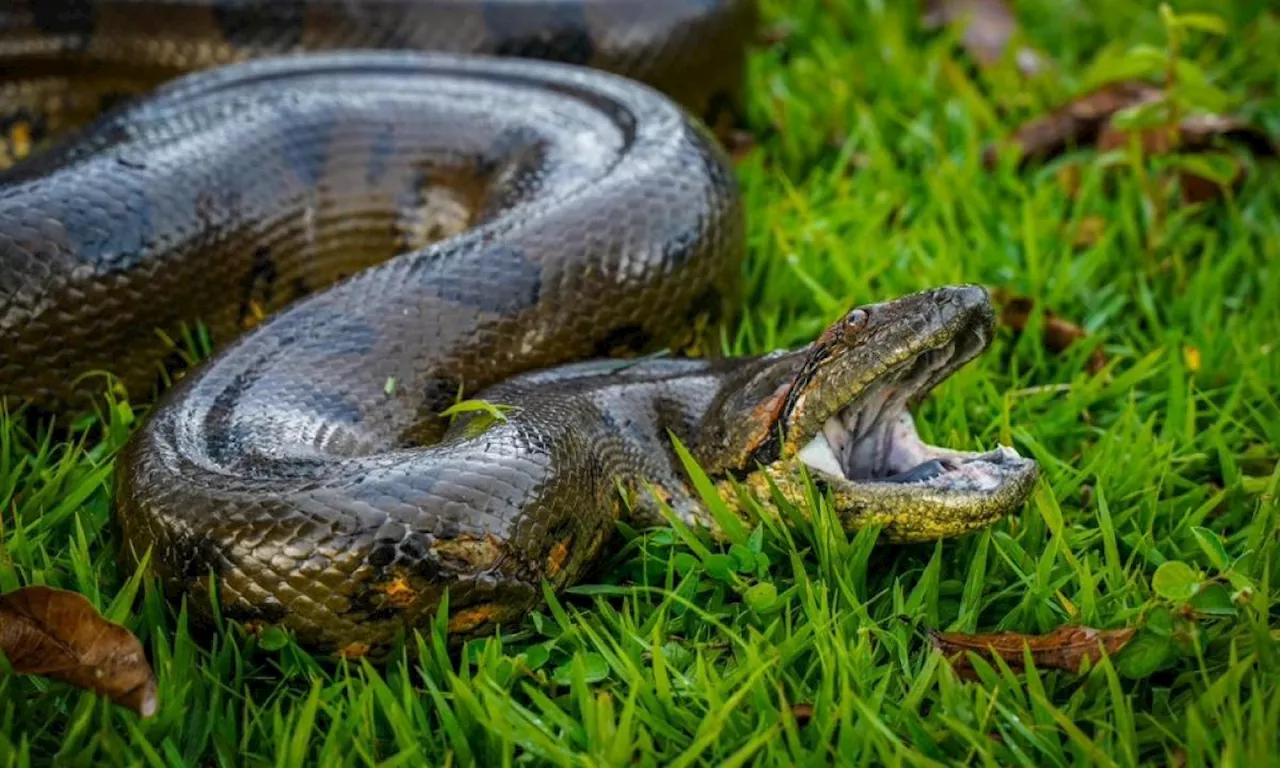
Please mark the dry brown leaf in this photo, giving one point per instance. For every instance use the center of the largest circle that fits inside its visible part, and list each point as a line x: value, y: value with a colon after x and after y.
x: 1198, y: 133
x: 989, y: 27
x: 1194, y: 134
x: 1076, y: 123
x: 1087, y: 121
x: 1201, y: 131
x: 55, y: 633
x: 1198, y: 189
x: 1059, y: 333
x: 1064, y: 648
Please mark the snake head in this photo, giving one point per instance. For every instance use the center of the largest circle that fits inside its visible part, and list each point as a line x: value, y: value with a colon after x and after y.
x: 839, y: 411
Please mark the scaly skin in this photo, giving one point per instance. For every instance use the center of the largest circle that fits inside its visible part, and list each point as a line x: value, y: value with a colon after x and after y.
x: 63, y: 61
x: 414, y: 225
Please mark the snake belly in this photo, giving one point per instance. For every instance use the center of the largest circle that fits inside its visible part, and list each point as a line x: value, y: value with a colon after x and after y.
x: 412, y: 226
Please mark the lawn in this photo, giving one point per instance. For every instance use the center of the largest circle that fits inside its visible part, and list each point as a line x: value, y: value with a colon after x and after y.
x: 803, y: 645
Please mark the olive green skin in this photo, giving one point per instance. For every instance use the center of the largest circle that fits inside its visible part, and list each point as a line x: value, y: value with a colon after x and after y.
x: 413, y: 226
x: 485, y: 216
x: 310, y: 484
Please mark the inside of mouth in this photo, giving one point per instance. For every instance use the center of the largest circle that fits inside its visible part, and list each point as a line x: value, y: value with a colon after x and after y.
x: 874, y: 439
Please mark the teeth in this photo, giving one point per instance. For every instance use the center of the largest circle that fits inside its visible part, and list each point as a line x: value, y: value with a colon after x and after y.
x: 818, y: 454
x: 874, y: 439
x: 836, y: 434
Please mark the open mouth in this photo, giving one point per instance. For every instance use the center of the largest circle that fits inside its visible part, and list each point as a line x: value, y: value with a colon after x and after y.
x: 873, y: 439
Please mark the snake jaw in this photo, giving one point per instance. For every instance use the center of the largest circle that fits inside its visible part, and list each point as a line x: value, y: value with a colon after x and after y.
x: 851, y: 427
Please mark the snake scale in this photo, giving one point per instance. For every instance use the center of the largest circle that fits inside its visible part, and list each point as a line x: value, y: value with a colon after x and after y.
x: 370, y: 235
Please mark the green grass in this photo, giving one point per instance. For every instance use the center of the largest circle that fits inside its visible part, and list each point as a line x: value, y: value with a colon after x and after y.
x: 867, y: 183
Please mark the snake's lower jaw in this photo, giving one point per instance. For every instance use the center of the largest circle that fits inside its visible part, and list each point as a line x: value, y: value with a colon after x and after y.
x: 886, y: 475
x: 972, y: 497
x: 961, y: 501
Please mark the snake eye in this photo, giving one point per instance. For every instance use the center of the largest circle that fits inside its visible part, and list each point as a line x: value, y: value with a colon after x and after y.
x: 855, y: 319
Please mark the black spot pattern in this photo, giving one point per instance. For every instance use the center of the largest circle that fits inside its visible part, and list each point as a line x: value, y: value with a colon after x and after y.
x: 380, y: 155
x: 347, y: 337
x: 259, y: 283
x: 249, y: 25
x: 439, y: 393
x: 628, y: 338
x: 121, y: 246
x: 723, y: 111
x: 70, y: 19
x: 334, y: 407
x: 500, y: 280
x: 268, y: 611
x: 383, y: 554
x: 307, y: 158
x: 556, y: 31
x: 708, y: 307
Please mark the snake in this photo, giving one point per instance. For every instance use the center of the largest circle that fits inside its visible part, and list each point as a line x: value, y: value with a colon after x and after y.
x: 457, y: 259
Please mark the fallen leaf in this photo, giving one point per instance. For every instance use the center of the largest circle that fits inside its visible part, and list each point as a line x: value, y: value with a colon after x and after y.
x: 1076, y: 123
x: 1198, y: 189
x: 1059, y: 333
x: 1064, y: 648
x: 1088, y: 121
x: 1201, y: 131
x: 989, y: 28
x: 55, y: 633
x: 1196, y: 134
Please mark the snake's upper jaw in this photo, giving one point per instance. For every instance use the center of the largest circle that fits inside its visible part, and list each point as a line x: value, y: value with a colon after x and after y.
x: 874, y: 438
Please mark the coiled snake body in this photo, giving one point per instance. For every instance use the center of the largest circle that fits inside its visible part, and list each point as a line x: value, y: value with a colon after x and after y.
x: 432, y: 224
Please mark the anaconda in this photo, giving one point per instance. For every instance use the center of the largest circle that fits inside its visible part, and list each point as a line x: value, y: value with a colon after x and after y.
x: 415, y: 226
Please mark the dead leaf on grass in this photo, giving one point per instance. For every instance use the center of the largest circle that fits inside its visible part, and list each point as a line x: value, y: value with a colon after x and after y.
x: 1059, y: 333
x: 1202, y: 131
x: 56, y: 633
x: 1076, y: 123
x: 1064, y: 648
x: 1089, y: 121
x: 1201, y: 135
